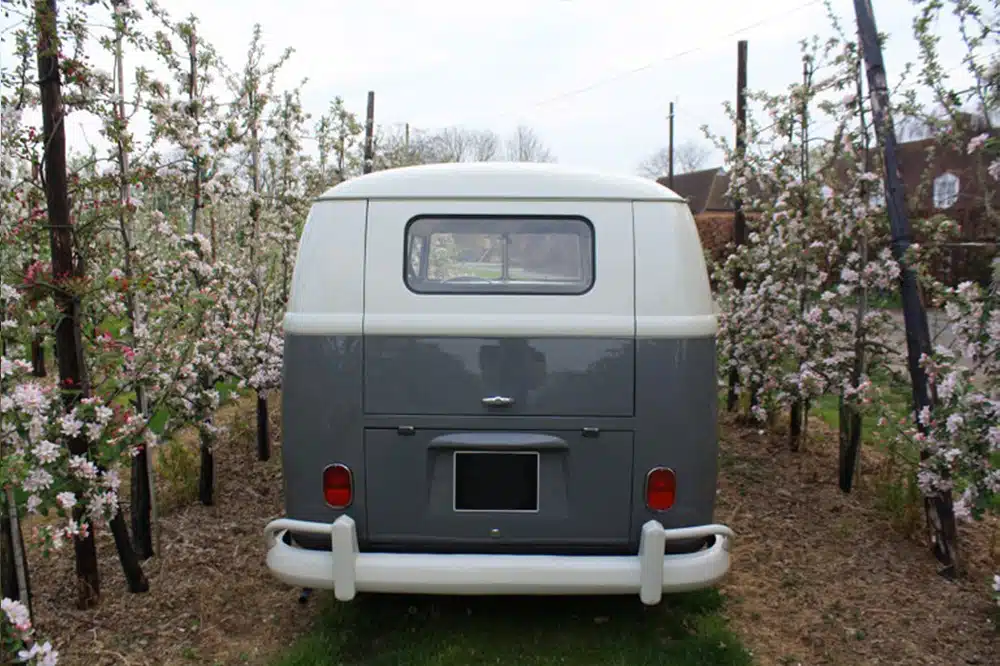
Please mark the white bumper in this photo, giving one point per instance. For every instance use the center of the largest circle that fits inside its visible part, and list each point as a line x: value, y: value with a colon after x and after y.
x: 347, y: 571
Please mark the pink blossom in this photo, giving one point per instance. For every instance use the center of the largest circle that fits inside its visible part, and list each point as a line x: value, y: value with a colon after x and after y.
x: 38, y: 479
x: 46, y: 452
x: 976, y: 142
x: 82, y: 468
x: 30, y: 398
x: 66, y: 500
x: 70, y: 424
x: 954, y: 422
x: 40, y: 654
x: 17, y: 614
x: 993, y: 438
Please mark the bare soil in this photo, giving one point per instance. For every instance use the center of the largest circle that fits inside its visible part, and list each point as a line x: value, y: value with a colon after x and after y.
x: 818, y: 577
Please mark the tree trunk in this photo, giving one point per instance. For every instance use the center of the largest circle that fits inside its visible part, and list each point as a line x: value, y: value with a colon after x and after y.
x: 795, y: 425
x: 263, y: 428
x: 141, y: 496
x: 206, y: 475
x: 142, y: 505
x: 212, y: 231
x: 136, y: 580
x: 850, y: 444
x: 192, y: 94
x: 37, y: 356
x: 850, y: 416
x: 15, y: 582
x: 67, y: 334
x: 731, y: 395
x: 795, y: 414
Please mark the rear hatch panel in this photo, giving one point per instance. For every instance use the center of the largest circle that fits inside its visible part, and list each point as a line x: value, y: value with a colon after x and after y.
x: 496, y: 489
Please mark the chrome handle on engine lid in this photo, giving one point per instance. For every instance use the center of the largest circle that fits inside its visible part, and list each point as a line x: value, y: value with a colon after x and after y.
x: 498, y: 401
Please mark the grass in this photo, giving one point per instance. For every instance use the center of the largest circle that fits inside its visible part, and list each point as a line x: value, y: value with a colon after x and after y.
x: 379, y: 630
x: 898, y: 401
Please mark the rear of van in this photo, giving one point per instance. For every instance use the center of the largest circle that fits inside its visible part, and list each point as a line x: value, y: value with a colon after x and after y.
x: 494, y: 390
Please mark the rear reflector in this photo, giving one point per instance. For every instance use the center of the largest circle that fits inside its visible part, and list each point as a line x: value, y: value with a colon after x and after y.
x: 337, y: 486
x: 661, y: 488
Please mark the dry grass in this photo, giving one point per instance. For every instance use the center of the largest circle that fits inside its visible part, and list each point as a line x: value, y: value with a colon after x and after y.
x: 818, y: 577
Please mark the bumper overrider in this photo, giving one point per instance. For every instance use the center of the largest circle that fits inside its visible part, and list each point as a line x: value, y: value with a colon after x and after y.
x: 347, y: 571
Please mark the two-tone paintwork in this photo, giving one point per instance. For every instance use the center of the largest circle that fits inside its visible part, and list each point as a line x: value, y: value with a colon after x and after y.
x: 390, y: 382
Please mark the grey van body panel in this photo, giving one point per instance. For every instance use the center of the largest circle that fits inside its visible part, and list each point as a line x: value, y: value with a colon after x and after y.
x: 321, y: 422
x: 676, y: 426
x: 544, y: 376
x: 654, y: 402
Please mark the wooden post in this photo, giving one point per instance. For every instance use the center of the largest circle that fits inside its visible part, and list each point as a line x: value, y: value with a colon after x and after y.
x: 940, y: 512
x: 670, y: 150
x: 739, y: 220
x: 369, y: 134
x: 67, y: 330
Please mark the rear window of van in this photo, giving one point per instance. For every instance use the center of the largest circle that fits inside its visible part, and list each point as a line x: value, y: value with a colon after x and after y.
x: 507, y: 255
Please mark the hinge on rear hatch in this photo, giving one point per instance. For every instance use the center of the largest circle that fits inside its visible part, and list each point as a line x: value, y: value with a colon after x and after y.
x: 406, y: 430
x: 591, y: 431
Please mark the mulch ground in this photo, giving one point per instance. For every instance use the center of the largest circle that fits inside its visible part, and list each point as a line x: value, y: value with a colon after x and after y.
x: 211, y: 599
x: 818, y: 577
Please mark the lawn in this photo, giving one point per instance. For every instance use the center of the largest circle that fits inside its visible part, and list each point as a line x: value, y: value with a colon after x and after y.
x: 379, y: 630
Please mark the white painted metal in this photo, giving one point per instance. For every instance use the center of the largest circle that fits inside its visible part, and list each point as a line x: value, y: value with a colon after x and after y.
x: 499, y: 180
x: 327, y: 294
x: 672, y: 295
x: 347, y: 571
x: 650, y: 269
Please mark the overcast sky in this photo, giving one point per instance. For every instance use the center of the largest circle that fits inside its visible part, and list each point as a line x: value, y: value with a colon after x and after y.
x: 593, y: 77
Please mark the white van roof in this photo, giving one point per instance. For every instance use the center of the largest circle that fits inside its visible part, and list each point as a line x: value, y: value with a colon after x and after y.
x: 498, y: 180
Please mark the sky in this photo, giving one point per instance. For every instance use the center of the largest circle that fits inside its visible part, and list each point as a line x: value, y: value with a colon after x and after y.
x: 593, y: 78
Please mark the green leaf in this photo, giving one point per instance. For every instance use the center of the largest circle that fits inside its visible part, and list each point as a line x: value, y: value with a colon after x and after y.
x: 159, y: 421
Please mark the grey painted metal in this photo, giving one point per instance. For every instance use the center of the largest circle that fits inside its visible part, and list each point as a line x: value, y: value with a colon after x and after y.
x: 540, y: 376
x: 585, y: 493
x: 321, y: 417
x: 676, y: 426
x: 622, y: 406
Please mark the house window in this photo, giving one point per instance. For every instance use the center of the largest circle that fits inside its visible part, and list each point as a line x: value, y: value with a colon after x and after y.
x: 945, y: 190
x: 505, y: 255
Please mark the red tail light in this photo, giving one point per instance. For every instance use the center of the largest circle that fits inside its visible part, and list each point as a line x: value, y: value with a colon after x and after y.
x: 338, y: 485
x: 661, y: 488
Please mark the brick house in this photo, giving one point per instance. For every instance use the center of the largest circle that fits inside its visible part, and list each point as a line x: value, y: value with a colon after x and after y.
x: 946, y: 180
x: 937, y: 180
x: 704, y: 190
